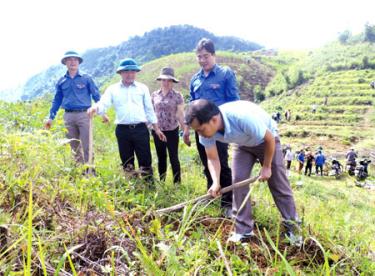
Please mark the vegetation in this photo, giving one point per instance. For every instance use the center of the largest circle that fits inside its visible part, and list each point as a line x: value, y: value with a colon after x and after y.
x: 56, y: 221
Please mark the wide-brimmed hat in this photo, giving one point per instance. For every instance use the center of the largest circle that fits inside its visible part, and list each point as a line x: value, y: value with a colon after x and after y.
x: 71, y: 54
x: 167, y: 73
x: 128, y: 64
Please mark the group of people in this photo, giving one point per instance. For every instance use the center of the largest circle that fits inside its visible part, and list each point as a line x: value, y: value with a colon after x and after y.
x: 305, y: 159
x: 215, y: 113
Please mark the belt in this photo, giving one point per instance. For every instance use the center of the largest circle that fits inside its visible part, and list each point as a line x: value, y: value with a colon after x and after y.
x: 132, y: 126
x: 75, y: 110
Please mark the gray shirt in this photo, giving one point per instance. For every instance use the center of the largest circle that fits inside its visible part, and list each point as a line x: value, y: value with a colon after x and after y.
x: 245, y: 124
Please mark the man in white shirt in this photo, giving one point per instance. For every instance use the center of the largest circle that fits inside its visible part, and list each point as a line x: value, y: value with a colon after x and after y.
x: 134, y: 111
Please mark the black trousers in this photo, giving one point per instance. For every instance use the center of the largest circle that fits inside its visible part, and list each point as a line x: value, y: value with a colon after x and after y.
x: 161, y: 150
x: 317, y: 168
x: 225, y: 173
x: 308, y: 168
x: 135, y: 139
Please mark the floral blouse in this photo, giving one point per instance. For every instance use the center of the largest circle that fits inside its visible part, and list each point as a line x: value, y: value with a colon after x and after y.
x: 166, y: 108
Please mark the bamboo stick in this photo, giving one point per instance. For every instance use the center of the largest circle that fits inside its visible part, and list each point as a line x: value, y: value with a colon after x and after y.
x: 206, y: 197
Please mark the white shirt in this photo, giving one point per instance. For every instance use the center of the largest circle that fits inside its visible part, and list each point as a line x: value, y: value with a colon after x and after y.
x: 289, y: 156
x: 132, y: 103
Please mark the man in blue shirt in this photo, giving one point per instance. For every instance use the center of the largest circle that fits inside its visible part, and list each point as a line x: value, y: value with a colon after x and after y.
x: 255, y: 136
x: 319, y: 163
x: 217, y: 84
x: 74, y: 92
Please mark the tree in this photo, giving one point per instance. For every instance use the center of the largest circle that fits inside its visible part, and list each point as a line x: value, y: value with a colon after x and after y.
x: 344, y: 36
x: 369, y: 33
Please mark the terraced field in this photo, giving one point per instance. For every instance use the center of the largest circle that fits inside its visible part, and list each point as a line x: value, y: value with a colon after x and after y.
x: 344, y: 116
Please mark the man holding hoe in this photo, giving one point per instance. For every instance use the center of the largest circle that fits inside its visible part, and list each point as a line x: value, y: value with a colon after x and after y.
x: 255, y: 137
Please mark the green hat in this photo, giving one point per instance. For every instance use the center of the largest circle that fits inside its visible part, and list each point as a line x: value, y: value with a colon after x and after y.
x: 128, y: 64
x: 71, y: 54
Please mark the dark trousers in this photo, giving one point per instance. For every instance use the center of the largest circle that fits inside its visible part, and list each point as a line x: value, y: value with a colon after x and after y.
x: 225, y: 173
x: 135, y: 139
x: 161, y: 150
x: 317, y: 167
x: 308, y: 168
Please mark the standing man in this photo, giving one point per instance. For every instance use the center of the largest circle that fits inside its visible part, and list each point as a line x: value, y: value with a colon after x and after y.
x: 256, y: 137
x: 309, y: 162
x: 217, y: 84
x: 319, y: 162
x: 74, y: 92
x: 301, y: 160
x: 134, y: 110
x: 289, y: 156
x: 351, y: 157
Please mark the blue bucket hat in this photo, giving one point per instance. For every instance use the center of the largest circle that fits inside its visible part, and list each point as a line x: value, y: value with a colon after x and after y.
x: 71, y: 54
x: 128, y: 64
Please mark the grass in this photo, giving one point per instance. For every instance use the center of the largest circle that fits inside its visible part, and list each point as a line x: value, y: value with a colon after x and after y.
x: 54, y: 221
x: 113, y: 217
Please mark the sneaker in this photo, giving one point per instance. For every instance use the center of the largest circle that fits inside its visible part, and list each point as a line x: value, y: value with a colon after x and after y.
x: 228, y: 212
x: 236, y: 237
x: 293, y: 232
x: 294, y: 239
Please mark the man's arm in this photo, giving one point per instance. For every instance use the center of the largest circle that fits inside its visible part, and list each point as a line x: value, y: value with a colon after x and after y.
x: 231, y: 90
x: 56, y: 103
x: 94, y: 91
x: 269, y: 149
x: 214, y: 167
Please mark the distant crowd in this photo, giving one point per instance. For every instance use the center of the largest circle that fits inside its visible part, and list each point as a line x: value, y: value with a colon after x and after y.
x: 306, y: 160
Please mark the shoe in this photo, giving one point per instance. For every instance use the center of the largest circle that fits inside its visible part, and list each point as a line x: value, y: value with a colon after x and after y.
x: 228, y: 212
x: 293, y: 232
x: 294, y: 239
x: 236, y: 237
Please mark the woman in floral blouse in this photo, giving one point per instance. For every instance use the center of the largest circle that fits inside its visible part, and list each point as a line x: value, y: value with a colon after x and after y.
x: 169, y: 109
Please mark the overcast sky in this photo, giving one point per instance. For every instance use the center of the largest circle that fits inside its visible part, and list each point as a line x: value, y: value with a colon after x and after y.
x: 35, y: 33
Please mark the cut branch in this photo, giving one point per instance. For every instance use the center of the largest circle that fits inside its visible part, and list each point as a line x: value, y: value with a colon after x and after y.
x: 206, y: 197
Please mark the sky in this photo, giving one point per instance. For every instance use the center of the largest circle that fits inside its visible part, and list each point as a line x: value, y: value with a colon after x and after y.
x: 35, y: 33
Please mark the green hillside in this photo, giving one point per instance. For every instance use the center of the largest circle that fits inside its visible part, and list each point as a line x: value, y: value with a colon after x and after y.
x: 55, y: 221
x: 347, y: 118
x: 252, y: 76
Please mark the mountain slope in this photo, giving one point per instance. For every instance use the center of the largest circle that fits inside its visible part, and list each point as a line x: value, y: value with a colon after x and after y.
x: 101, y: 63
x: 336, y: 79
x: 251, y: 75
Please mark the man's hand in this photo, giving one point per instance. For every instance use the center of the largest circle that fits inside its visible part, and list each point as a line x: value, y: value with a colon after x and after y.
x: 92, y: 111
x: 214, y: 190
x: 48, y: 124
x: 105, y: 119
x: 186, y: 137
x: 265, y: 174
x: 161, y: 135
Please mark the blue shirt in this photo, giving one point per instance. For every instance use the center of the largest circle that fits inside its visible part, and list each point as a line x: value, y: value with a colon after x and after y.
x: 245, y: 124
x: 301, y: 157
x: 219, y: 86
x: 132, y: 103
x: 320, y: 159
x: 74, y: 93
